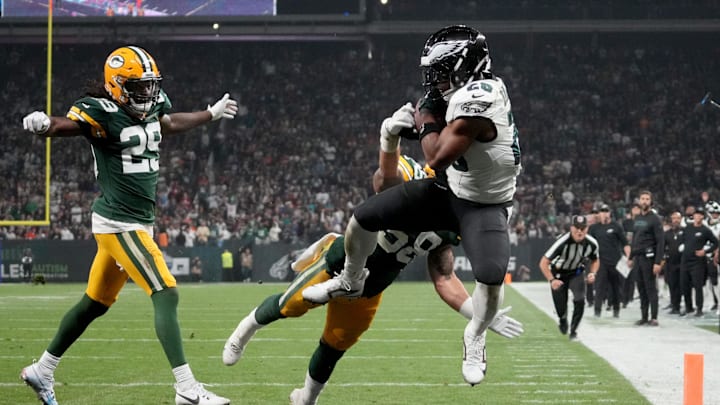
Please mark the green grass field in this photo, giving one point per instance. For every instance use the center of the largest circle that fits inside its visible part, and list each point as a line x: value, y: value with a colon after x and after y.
x: 411, y: 355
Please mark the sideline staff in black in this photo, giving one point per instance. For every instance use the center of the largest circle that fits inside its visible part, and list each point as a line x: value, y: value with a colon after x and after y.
x: 647, y: 251
x: 698, y: 241
x: 563, y: 266
x: 673, y: 240
x: 612, y: 242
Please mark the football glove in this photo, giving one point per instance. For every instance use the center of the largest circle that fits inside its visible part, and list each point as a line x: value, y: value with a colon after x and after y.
x: 223, y: 108
x: 434, y: 103
x: 506, y: 326
x: 36, y: 122
x: 400, y: 124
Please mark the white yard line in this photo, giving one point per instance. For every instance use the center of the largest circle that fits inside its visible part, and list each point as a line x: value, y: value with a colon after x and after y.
x: 651, y: 358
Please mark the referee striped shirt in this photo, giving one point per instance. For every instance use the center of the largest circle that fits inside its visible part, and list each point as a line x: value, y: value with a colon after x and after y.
x: 567, y: 255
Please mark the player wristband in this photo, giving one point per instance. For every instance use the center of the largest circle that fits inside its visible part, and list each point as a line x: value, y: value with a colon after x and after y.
x: 427, y: 128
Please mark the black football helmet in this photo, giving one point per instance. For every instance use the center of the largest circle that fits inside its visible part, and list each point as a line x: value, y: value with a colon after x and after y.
x: 456, y: 54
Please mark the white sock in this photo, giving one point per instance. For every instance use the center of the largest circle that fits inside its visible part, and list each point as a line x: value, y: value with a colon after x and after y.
x: 466, y: 309
x: 184, y: 377
x: 48, y: 363
x: 252, y: 321
x: 486, y: 301
x: 359, y: 244
x: 312, y: 388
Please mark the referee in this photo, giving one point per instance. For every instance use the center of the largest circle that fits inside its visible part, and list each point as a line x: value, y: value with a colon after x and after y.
x: 563, y: 266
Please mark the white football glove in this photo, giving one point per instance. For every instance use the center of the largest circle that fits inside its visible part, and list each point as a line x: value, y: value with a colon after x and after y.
x: 403, y: 118
x: 223, y: 108
x: 506, y: 326
x: 36, y: 122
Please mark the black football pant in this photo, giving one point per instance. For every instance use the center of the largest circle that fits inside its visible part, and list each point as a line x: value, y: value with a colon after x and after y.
x: 672, y: 278
x: 712, y: 276
x: 693, y: 279
x: 628, y: 288
x: 647, y: 286
x: 575, y: 283
x: 427, y: 205
x: 608, y: 283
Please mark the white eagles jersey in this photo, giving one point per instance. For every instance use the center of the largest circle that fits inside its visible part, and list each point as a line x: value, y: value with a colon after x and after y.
x: 487, y: 170
x: 714, y: 227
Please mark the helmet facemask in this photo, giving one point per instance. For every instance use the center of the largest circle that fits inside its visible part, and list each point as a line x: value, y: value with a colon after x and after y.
x: 141, y: 94
x: 453, y: 57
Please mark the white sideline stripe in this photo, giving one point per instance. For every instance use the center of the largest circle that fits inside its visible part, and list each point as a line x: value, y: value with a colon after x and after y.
x: 566, y: 401
x: 195, y: 340
x: 535, y: 359
x: 565, y: 392
x: 36, y: 297
x: 307, y: 320
x: 272, y: 357
x: 318, y: 329
x: 295, y: 384
x: 559, y: 375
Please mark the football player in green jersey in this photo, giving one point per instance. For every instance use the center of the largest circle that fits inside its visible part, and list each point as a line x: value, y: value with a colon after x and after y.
x: 124, y: 123
x: 347, y: 318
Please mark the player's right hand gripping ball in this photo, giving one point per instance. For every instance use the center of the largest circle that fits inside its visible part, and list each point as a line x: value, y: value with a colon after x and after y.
x: 36, y: 122
x: 401, y: 123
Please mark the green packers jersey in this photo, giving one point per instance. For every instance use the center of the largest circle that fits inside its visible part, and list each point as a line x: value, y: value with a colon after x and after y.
x: 394, y: 251
x: 126, y: 151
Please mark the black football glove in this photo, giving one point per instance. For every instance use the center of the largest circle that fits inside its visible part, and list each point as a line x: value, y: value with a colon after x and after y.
x: 434, y: 103
x: 409, y: 133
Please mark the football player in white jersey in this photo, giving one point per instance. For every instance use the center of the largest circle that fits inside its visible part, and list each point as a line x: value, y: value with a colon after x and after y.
x: 467, y: 132
x: 712, y: 220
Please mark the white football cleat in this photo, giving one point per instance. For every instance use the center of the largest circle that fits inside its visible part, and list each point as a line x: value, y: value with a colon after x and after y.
x: 298, y: 397
x: 338, y: 286
x: 235, y: 345
x: 474, y: 363
x: 198, y: 395
x: 40, y: 383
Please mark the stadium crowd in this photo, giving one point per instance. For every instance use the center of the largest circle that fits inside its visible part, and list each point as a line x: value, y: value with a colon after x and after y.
x: 599, y: 117
x: 544, y: 10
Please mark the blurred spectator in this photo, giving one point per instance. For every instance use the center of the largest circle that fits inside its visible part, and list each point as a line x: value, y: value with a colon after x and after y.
x: 246, y: 264
x: 599, y: 117
x: 196, y: 269
x: 228, y: 268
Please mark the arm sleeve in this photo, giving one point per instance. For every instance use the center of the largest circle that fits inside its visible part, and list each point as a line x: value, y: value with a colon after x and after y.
x: 92, y: 115
x: 595, y: 252
x: 660, y: 238
x: 556, y: 247
x: 712, y: 239
x: 621, y: 234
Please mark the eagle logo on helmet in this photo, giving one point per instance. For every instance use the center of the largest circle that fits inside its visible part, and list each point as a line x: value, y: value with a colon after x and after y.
x: 455, y: 55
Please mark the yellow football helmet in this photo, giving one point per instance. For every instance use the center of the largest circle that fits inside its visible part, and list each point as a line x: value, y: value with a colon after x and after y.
x: 132, y: 79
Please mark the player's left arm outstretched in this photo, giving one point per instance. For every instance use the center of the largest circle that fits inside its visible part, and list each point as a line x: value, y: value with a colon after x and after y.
x: 225, y: 107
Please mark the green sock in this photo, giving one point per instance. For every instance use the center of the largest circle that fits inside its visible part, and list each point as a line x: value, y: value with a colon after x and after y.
x: 269, y: 310
x: 74, y: 323
x: 166, y: 325
x: 322, y: 362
